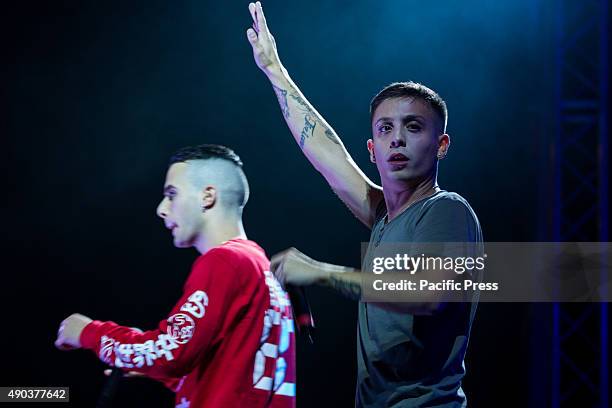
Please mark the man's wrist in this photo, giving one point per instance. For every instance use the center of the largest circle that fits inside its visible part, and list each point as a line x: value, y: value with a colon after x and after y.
x: 326, y: 271
x: 277, y: 75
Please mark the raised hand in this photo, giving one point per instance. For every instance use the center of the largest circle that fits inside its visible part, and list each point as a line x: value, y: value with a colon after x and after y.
x: 262, y: 41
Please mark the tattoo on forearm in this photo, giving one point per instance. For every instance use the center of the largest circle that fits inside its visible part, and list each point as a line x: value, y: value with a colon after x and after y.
x: 307, y: 131
x: 281, y: 95
x: 303, y: 105
x: 347, y: 287
x: 310, y: 120
x: 331, y: 136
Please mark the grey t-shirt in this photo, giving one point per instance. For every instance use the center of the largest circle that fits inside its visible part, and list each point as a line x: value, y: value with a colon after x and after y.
x: 407, y: 360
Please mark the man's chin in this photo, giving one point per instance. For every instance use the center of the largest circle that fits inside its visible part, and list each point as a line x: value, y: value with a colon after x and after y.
x: 180, y: 243
x: 401, y: 176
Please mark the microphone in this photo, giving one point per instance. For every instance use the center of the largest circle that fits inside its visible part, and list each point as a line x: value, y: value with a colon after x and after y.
x: 301, y: 311
x: 110, y: 388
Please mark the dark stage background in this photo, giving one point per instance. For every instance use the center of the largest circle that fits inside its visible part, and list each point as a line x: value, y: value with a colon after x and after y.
x: 97, y: 95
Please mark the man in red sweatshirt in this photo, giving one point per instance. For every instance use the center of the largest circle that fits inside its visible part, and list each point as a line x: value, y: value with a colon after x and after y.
x: 229, y: 340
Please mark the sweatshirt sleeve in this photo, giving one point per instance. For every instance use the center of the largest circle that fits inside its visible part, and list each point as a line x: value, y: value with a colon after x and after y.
x: 177, y: 344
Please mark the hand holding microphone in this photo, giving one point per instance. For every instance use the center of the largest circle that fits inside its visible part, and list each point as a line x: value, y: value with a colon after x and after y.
x: 294, y: 269
x: 301, y: 311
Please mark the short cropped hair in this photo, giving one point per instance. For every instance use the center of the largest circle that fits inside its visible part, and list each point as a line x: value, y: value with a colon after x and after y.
x: 220, y: 165
x: 205, y: 151
x: 411, y: 90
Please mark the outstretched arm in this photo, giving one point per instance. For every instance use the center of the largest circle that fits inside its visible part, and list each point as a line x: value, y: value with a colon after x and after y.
x: 174, y: 348
x: 318, y: 141
x: 292, y: 267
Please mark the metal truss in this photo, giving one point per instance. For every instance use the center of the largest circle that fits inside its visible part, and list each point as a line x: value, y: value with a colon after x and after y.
x: 580, y: 211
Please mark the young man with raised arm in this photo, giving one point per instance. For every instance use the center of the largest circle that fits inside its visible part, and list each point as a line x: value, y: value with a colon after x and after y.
x: 409, y: 354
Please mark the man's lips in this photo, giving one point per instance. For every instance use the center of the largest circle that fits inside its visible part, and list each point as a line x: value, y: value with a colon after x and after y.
x: 397, y: 158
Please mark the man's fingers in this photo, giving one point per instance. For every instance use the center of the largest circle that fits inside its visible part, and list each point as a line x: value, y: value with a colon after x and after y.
x: 252, y: 37
x: 275, y: 263
x: 253, y: 15
x: 59, y: 343
x: 261, y: 19
x: 279, y: 274
x: 276, y: 266
x: 278, y: 258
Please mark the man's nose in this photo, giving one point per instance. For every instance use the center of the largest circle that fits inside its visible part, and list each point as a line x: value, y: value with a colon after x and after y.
x: 398, y: 138
x: 161, y: 209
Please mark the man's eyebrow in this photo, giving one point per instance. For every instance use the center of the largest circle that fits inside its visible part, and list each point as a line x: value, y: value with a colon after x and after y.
x: 168, y: 188
x: 405, y: 118
x: 385, y: 119
x: 412, y: 117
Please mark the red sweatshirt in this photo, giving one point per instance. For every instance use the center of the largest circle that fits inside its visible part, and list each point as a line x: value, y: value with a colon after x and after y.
x: 228, y: 342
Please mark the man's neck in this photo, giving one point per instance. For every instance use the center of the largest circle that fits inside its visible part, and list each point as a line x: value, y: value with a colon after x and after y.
x: 218, y: 231
x: 399, y: 198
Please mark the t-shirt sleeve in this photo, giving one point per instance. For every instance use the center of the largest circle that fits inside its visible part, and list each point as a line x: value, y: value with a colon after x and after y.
x: 448, y: 228
x: 193, y: 326
x: 447, y: 220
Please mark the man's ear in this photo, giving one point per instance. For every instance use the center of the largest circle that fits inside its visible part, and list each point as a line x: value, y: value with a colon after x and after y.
x: 371, y: 150
x: 209, y: 197
x: 443, y: 145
